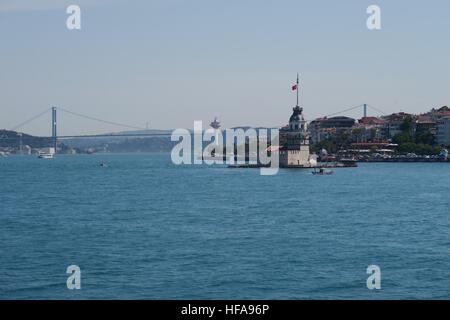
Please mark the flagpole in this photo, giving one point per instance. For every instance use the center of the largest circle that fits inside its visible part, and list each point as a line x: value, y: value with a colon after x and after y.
x: 297, y: 90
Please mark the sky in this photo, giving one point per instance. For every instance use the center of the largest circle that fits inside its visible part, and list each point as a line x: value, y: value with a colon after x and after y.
x: 171, y: 62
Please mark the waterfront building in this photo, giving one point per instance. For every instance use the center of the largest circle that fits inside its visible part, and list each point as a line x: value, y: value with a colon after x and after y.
x: 322, y: 128
x: 370, y: 129
x: 317, y: 134
x: 372, y: 146
x: 394, y: 122
x: 443, y: 132
x: 371, y: 121
x: 341, y: 124
x: 425, y: 123
x: 437, y: 114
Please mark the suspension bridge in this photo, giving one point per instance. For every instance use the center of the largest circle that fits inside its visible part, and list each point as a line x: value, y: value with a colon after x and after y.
x: 54, y: 124
x: 54, y: 127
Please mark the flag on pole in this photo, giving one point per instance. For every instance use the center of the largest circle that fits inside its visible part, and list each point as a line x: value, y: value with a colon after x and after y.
x: 295, y: 88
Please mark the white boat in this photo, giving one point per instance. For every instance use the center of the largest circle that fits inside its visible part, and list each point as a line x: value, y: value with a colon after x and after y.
x: 46, y: 153
x: 43, y: 155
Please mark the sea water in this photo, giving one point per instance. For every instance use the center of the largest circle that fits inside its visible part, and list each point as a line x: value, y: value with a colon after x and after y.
x: 142, y: 228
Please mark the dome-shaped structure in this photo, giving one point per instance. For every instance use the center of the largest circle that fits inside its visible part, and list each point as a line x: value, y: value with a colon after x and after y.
x: 297, y: 121
x: 297, y: 114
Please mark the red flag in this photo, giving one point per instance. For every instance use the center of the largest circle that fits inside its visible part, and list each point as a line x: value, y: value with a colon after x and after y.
x: 295, y: 87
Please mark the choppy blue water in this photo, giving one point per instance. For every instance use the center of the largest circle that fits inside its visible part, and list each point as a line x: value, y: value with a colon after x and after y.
x: 144, y: 228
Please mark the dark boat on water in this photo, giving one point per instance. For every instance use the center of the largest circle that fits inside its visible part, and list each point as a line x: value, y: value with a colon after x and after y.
x: 322, y: 172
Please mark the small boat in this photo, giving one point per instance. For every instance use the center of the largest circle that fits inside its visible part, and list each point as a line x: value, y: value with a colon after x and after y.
x: 44, y: 155
x: 322, y: 172
x: 103, y: 164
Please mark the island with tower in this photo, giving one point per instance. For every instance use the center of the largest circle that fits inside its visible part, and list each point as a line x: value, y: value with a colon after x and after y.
x: 294, y: 143
x: 293, y: 148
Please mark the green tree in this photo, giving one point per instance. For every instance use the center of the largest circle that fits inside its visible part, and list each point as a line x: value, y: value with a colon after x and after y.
x: 407, y: 125
x: 402, y: 138
x: 358, y: 134
x: 425, y: 137
x: 333, y: 143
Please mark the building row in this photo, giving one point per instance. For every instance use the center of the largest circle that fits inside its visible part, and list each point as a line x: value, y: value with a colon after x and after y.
x: 375, y: 129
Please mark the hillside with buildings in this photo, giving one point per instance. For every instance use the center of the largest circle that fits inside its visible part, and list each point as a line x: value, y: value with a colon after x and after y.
x: 398, y: 133
x: 401, y: 132
x: 14, y: 142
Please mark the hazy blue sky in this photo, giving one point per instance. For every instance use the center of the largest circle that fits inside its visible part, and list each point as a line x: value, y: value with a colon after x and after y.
x: 171, y: 62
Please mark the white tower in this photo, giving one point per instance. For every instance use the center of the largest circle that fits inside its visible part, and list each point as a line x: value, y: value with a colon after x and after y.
x: 296, y: 139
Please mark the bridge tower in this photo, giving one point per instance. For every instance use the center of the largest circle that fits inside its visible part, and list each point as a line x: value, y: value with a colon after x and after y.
x: 54, y: 132
x: 365, y: 110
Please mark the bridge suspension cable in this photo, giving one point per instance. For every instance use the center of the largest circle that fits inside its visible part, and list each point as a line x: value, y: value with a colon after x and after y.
x: 102, y: 121
x: 346, y: 110
x: 376, y: 109
x: 20, y: 125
